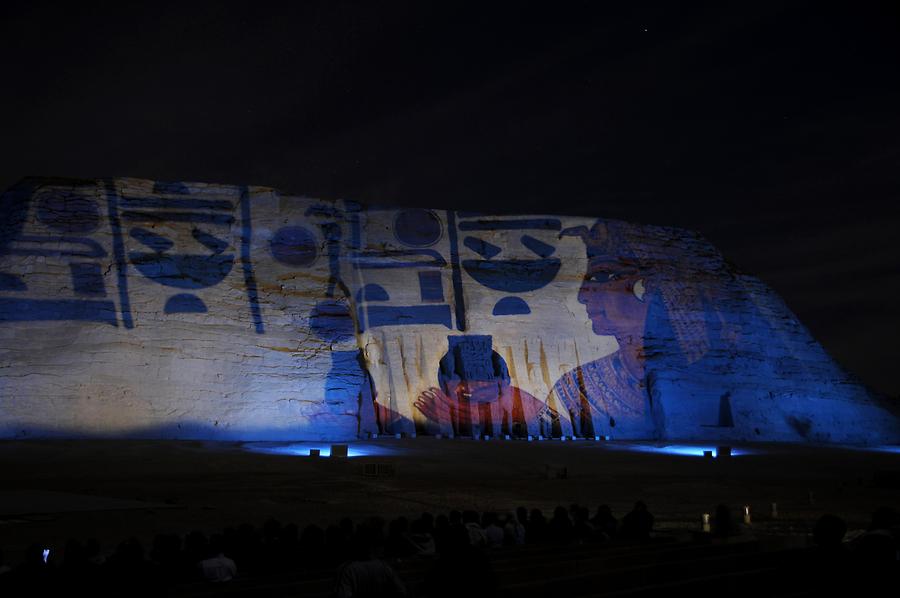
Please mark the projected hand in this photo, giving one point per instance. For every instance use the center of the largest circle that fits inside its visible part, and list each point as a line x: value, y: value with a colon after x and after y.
x: 437, y: 406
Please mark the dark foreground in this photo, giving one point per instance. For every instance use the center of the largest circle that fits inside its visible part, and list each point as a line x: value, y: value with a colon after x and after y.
x: 54, y: 491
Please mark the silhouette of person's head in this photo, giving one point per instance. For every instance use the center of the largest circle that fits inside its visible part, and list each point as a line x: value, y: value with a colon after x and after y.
x: 456, y: 542
x: 829, y: 531
x: 522, y: 515
x: 560, y: 514
x: 216, y: 545
x: 364, y: 544
x: 34, y: 556
x: 603, y: 511
x: 722, y: 524
x: 884, y: 518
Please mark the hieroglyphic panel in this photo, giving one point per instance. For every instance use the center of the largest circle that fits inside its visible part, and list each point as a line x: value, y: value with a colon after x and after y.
x: 140, y: 308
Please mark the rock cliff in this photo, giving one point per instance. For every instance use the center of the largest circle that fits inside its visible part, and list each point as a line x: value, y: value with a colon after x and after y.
x: 134, y: 308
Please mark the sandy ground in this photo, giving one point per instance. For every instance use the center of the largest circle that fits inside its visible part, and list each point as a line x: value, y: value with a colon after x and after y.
x: 53, y: 490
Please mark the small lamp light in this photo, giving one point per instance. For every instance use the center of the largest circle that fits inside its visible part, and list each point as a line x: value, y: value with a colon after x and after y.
x: 705, y: 521
x: 747, y: 514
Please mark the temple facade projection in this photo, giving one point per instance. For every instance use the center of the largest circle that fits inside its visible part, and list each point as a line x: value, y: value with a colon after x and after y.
x: 134, y: 308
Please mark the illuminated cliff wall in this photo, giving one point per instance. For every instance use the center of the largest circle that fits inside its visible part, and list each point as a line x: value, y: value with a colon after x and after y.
x: 136, y: 308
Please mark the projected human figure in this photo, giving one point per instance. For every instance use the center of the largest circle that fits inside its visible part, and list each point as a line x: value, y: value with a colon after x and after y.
x: 639, y: 295
x: 610, y: 394
x: 475, y: 396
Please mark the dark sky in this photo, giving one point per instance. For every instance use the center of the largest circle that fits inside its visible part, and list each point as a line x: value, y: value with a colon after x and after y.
x: 772, y: 129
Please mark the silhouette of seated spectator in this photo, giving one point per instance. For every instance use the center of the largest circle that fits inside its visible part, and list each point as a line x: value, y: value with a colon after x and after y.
x: 637, y: 524
x: 582, y: 528
x: 217, y: 568
x: 244, y: 545
x: 165, y: 553
x: 514, y: 528
x: 886, y: 519
x: 461, y: 569
x: 829, y: 532
x: 560, y: 530
x: 34, y: 576
x: 421, y: 538
x: 825, y: 568
x: 92, y: 552
x: 441, y: 528
x: 605, y: 524
x: 536, y: 532
x: 374, y: 526
x: 476, y: 533
x: 724, y: 524
x: 4, y: 568
x: 289, y: 543
x: 128, y: 572
x: 399, y: 544
x: 366, y: 574
x: 74, y: 562
x: 312, y: 546
x: 493, y: 531
x: 878, y: 547
x: 6, y: 576
x: 196, y: 547
x: 338, y: 545
x: 522, y: 515
x: 128, y: 559
x: 271, y: 532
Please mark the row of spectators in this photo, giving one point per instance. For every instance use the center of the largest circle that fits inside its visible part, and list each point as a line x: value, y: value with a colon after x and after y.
x: 456, y: 541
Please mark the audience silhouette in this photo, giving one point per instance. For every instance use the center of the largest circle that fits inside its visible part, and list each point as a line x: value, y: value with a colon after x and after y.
x: 456, y: 547
x: 637, y: 524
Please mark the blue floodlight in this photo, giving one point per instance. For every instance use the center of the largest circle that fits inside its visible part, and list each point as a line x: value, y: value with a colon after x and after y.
x: 682, y: 450
x: 301, y: 449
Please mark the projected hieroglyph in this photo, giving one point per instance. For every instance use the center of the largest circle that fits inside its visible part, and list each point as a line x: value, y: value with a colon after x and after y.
x: 132, y: 308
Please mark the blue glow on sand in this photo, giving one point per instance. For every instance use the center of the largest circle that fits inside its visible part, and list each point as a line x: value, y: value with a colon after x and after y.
x: 887, y: 448
x: 682, y: 450
x: 302, y: 449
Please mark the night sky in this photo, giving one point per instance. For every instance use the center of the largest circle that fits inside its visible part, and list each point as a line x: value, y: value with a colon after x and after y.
x: 774, y: 130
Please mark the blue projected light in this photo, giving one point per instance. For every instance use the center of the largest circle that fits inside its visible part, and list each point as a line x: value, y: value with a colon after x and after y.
x: 682, y: 450
x: 887, y: 448
x: 302, y: 449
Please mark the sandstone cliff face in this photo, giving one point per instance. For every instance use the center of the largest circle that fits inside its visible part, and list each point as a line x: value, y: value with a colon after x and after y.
x: 134, y: 308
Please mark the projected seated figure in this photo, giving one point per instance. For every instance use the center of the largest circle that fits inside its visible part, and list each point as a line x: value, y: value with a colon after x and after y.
x: 625, y: 296
x: 475, y: 397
